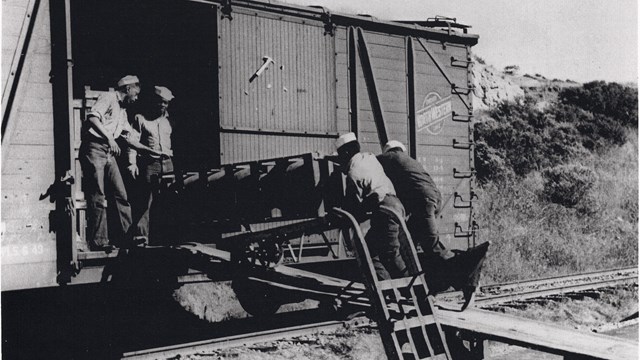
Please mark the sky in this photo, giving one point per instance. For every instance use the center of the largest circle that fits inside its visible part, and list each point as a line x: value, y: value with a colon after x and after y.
x: 580, y: 40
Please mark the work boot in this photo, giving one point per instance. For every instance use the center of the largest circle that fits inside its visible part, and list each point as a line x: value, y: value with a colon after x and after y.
x: 466, y: 266
x: 469, y: 294
x: 436, y: 273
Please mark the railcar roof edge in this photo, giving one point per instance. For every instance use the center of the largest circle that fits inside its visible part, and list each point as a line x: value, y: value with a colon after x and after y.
x: 367, y: 22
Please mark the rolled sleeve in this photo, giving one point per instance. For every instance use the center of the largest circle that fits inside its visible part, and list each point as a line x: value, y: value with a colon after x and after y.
x: 102, y: 106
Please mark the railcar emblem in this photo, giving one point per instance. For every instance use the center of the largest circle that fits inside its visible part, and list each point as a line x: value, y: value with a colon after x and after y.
x: 435, y: 109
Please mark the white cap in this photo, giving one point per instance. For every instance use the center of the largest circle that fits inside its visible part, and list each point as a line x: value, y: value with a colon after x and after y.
x: 392, y: 145
x: 344, y: 139
x: 128, y: 80
x: 164, y: 93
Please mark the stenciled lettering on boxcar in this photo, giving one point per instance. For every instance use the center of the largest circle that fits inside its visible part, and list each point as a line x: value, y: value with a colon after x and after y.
x: 435, y: 109
x: 435, y: 167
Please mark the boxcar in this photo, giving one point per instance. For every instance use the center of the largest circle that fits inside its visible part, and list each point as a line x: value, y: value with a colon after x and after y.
x: 326, y: 74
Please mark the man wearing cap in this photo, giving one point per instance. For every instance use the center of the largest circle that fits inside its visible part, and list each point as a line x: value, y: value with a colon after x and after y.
x: 422, y: 200
x: 368, y: 188
x: 154, y: 130
x: 105, y: 123
x: 418, y: 193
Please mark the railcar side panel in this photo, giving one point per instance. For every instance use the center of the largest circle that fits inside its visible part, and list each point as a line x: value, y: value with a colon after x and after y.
x: 443, y: 141
x: 290, y: 107
x: 316, y: 87
x: 28, y: 248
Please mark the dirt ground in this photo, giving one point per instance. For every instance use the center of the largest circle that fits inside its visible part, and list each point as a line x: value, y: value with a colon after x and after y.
x: 587, y: 314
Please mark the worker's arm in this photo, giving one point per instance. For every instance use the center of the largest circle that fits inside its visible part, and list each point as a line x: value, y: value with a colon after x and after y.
x: 352, y: 202
x: 143, y: 149
x: 103, y: 105
x: 96, y: 124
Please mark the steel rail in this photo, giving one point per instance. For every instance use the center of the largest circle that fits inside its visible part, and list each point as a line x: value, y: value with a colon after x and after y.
x: 565, y: 278
x: 560, y: 290
x: 539, y: 288
x: 517, y: 292
x: 243, y: 339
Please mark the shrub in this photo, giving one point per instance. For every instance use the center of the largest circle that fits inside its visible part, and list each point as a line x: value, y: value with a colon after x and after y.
x: 598, y: 132
x: 610, y: 129
x: 563, y: 143
x: 568, y: 185
x: 526, y: 138
x: 526, y: 153
x: 490, y: 164
x: 532, y: 237
x: 559, y: 218
x: 609, y: 99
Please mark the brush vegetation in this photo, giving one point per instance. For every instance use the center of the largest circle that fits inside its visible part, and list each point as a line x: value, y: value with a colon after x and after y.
x: 559, y: 185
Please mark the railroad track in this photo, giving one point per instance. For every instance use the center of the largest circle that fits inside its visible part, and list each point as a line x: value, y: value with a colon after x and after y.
x: 244, y: 339
x: 489, y: 295
x: 571, y: 285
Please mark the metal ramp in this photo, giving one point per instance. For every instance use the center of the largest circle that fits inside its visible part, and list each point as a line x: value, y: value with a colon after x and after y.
x: 403, y: 309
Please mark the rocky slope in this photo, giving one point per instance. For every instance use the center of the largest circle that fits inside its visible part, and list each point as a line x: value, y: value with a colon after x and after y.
x: 493, y: 86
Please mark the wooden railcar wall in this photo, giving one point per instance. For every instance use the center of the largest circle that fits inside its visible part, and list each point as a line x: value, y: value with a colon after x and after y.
x: 302, y: 104
x: 28, y: 248
x: 388, y: 55
x: 290, y: 108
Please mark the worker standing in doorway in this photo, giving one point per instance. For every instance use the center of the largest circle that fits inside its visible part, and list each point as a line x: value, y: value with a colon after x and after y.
x: 368, y: 188
x: 105, y: 124
x: 154, y: 130
x: 422, y: 200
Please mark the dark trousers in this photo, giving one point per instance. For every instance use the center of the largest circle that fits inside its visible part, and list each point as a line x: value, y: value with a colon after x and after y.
x: 102, y: 180
x: 443, y: 267
x: 150, y: 170
x: 383, y: 240
x: 422, y: 225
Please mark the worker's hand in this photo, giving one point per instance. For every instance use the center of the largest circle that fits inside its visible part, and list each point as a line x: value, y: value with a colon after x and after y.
x: 113, y: 147
x: 133, y: 170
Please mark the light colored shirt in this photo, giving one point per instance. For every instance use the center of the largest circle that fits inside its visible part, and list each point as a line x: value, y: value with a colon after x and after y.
x: 155, y: 134
x: 367, y: 177
x: 111, y: 114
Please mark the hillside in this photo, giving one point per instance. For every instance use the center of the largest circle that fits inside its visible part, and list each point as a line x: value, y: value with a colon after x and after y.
x: 494, y: 86
x: 557, y: 164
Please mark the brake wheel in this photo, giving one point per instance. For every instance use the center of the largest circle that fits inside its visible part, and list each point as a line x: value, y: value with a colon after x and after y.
x: 259, y: 254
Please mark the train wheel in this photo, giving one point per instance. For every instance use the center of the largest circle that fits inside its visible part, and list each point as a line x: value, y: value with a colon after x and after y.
x: 256, y: 298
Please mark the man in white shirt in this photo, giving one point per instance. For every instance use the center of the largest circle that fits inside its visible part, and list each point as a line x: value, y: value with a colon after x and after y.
x: 368, y: 188
x: 105, y: 123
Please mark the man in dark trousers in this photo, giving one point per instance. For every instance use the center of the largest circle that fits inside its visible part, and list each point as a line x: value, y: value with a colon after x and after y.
x: 368, y: 188
x: 105, y: 123
x: 422, y: 200
x: 154, y: 129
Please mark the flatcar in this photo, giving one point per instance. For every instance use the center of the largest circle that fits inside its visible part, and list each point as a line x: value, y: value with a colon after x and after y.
x: 323, y: 74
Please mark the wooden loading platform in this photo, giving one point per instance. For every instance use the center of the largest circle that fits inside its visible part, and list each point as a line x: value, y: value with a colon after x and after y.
x: 514, y: 330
